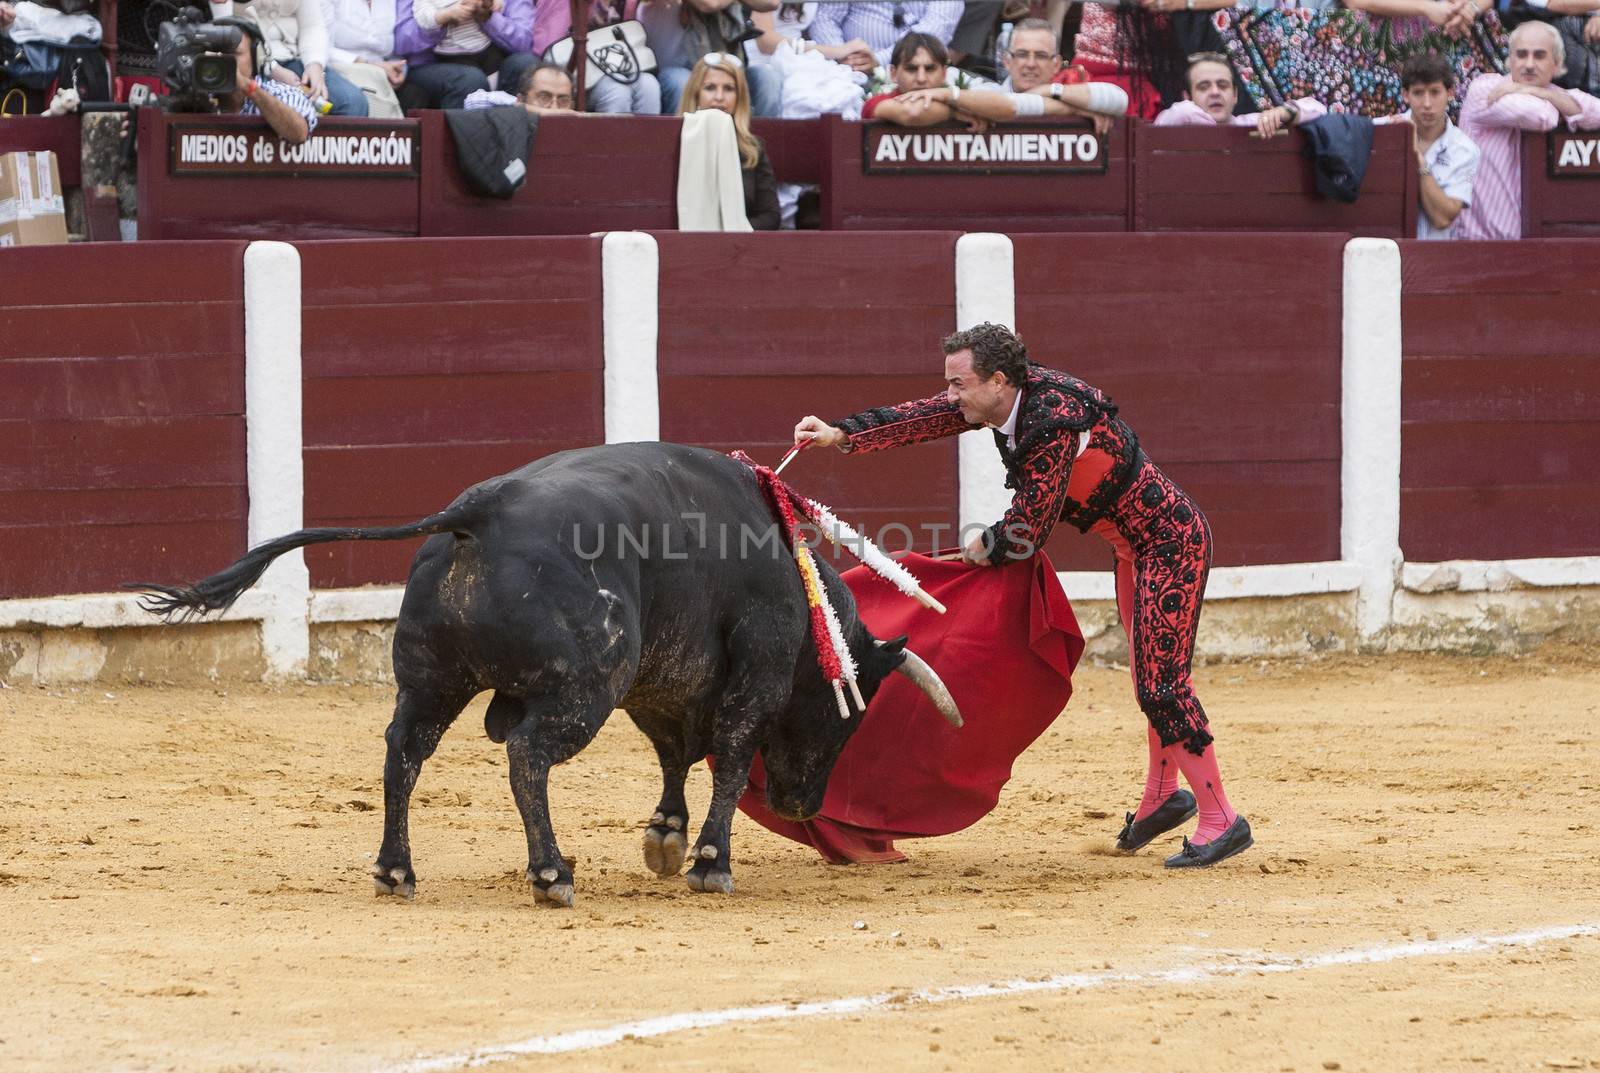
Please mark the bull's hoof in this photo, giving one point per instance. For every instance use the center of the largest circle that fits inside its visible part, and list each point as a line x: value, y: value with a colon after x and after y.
x: 665, y: 845
x: 706, y: 879
x: 707, y: 875
x: 551, y: 885
x: 396, y: 882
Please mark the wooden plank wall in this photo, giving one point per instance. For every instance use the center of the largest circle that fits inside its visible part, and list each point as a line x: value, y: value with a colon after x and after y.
x: 853, y: 201
x: 587, y: 174
x: 1501, y: 390
x: 1223, y: 352
x: 430, y: 365
x: 1204, y: 179
x: 1555, y: 208
x: 62, y: 135
x: 122, y: 442
x: 286, y: 208
x: 759, y: 330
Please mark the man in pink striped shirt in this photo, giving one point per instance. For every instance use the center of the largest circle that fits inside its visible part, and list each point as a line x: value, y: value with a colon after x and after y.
x: 1212, y: 93
x: 1499, y: 108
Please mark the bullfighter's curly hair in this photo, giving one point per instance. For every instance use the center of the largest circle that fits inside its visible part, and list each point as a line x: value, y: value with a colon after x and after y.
x: 995, y: 349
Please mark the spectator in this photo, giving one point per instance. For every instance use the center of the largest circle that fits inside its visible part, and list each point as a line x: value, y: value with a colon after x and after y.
x: 545, y: 90
x: 463, y: 39
x: 682, y: 31
x: 790, y: 23
x: 918, y: 62
x: 973, y: 36
x: 882, y: 26
x: 443, y: 81
x: 717, y: 81
x: 1212, y: 94
x: 1349, y: 56
x: 1134, y: 46
x: 361, y: 50
x: 552, y: 21
x: 1033, y: 57
x: 1578, y: 22
x: 1447, y: 160
x: 1034, y: 62
x: 287, y: 109
x: 1499, y: 108
x: 297, y: 50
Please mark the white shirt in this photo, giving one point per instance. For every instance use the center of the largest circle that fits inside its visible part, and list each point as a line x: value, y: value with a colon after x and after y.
x: 1453, y: 162
x: 1010, y: 427
x: 358, y: 31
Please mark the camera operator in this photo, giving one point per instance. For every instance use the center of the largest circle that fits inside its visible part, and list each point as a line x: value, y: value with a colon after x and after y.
x: 287, y: 110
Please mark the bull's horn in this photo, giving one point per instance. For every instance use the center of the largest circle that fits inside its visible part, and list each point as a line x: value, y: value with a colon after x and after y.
x: 916, y: 668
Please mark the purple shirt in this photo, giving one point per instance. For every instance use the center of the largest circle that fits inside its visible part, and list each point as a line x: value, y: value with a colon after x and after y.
x: 552, y: 19
x: 511, y: 29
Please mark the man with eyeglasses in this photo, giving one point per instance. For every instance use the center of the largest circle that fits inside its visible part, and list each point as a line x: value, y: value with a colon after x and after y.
x: 546, y: 90
x: 1212, y: 93
x: 1499, y: 108
x: 1035, y: 88
x: 1033, y: 58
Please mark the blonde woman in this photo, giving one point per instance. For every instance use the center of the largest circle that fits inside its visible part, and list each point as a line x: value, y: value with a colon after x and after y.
x: 718, y: 82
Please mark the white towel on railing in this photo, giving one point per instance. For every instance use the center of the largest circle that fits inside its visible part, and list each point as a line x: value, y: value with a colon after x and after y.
x: 37, y: 23
x: 710, y: 183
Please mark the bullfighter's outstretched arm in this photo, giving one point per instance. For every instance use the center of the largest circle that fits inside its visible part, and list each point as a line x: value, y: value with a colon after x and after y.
x: 895, y: 426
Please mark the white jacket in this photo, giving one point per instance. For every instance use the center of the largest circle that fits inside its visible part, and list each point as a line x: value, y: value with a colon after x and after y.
x: 294, y: 29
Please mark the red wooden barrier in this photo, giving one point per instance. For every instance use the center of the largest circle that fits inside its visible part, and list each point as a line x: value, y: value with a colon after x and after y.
x: 122, y: 444
x: 432, y: 364
x: 60, y: 134
x: 854, y: 201
x: 1223, y: 352
x: 1209, y: 179
x: 794, y: 146
x: 759, y: 330
x: 268, y: 206
x: 1556, y: 207
x: 1501, y: 387
x: 587, y: 174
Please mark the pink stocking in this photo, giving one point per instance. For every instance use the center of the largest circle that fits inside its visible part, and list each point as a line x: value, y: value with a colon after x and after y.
x: 1161, y: 780
x: 1206, y: 781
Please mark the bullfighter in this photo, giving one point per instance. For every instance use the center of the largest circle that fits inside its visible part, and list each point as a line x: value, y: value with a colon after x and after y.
x: 1070, y: 457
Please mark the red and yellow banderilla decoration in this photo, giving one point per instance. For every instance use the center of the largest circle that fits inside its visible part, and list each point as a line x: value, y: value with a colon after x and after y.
x: 834, y: 658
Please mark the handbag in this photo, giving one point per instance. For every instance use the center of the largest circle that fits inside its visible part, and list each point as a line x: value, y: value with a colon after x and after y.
x: 618, y: 52
x: 33, y: 64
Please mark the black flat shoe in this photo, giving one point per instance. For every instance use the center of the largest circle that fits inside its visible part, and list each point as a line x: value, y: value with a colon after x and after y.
x: 1236, y: 839
x: 1136, y: 834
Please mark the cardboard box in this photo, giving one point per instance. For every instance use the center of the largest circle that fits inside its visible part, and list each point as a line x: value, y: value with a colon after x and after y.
x: 31, y: 210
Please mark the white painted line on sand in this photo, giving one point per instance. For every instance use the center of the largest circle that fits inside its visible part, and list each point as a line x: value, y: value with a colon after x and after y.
x: 588, y: 1039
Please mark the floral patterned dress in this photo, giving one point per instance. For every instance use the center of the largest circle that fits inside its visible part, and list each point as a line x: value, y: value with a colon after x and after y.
x: 1348, y: 60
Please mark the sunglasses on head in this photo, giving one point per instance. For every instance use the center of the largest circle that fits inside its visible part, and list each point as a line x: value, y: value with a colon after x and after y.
x: 714, y: 58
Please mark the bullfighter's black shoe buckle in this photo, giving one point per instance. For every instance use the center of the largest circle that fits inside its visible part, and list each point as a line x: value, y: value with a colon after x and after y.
x: 1236, y: 839
x: 1136, y: 834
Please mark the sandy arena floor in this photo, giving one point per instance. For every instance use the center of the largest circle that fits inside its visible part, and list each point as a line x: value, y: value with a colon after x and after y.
x: 183, y: 886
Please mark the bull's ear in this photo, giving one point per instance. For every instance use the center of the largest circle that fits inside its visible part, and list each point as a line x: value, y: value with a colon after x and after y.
x: 894, y: 647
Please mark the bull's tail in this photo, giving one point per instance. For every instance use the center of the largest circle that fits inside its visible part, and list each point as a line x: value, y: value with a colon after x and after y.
x: 219, y: 591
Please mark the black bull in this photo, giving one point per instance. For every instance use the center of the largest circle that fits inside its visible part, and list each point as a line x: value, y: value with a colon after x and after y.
x: 643, y: 576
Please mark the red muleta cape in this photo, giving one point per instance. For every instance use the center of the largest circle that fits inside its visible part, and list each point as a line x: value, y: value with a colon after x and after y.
x: 1006, y: 651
